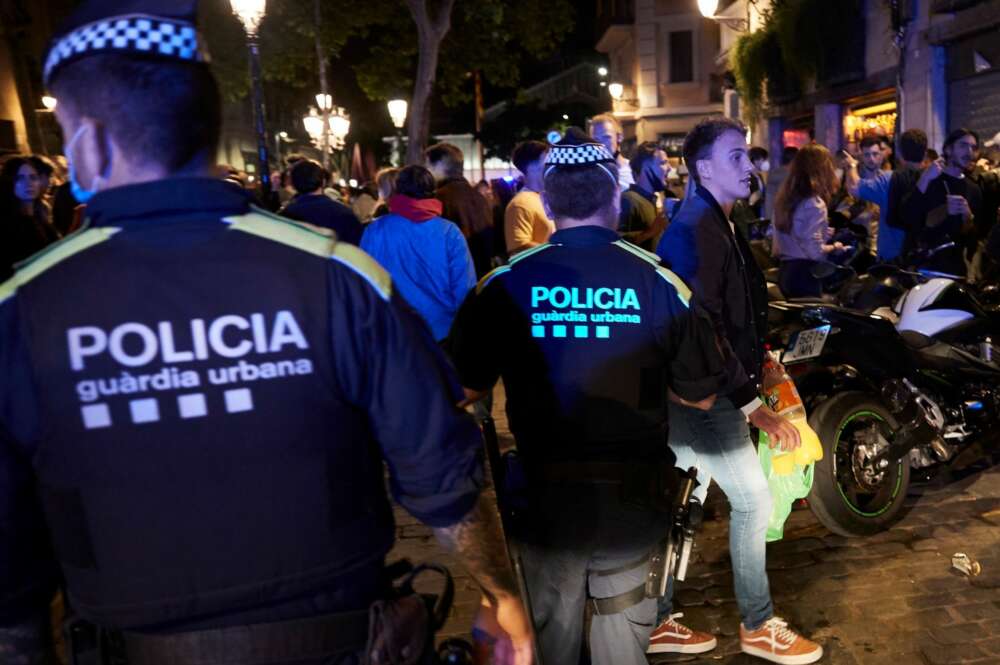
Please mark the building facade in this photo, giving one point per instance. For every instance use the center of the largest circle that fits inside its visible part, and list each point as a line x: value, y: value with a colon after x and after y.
x: 663, y: 55
x: 25, y: 27
x: 927, y: 64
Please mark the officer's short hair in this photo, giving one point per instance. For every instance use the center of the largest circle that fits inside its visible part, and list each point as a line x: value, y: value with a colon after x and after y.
x: 307, y: 176
x: 579, y: 193
x: 644, y: 152
x: 162, y: 112
x: 416, y: 182
x: 527, y: 153
x: 913, y: 145
x: 450, y: 156
x: 699, y: 141
x: 757, y: 154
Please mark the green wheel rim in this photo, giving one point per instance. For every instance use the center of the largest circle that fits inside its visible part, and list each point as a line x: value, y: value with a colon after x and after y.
x: 899, y: 475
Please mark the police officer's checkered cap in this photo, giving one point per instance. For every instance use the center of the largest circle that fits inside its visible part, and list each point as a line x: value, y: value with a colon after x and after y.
x: 578, y: 155
x: 158, y: 29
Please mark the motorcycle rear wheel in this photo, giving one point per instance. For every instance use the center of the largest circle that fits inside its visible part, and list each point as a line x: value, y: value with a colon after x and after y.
x: 846, y: 500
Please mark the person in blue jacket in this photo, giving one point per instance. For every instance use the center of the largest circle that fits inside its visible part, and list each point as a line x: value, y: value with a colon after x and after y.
x: 199, y: 400
x: 426, y: 255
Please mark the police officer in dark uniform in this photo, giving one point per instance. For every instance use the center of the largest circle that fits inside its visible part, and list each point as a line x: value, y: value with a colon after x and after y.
x: 197, y: 398
x: 590, y: 335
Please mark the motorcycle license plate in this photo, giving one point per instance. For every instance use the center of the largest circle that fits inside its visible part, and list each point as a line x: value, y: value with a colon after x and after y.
x: 806, y: 344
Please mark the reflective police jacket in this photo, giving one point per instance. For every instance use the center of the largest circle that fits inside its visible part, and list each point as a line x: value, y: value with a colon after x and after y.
x: 201, y: 396
x: 588, y: 333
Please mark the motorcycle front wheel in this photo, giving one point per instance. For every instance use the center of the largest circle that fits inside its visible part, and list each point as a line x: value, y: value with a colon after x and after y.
x: 851, y: 494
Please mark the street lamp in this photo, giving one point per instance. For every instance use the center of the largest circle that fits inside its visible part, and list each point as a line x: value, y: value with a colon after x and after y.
x: 602, y: 71
x: 616, y: 90
x: 251, y: 13
x: 337, y: 126
x: 49, y: 102
x: 709, y: 7
x: 397, y: 111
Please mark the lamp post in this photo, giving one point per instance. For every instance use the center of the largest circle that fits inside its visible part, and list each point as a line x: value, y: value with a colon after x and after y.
x: 251, y: 13
x: 48, y: 107
x: 397, y: 111
x: 709, y: 7
x: 328, y: 128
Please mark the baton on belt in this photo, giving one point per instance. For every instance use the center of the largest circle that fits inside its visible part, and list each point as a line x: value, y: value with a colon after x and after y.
x: 672, y: 555
x: 493, y: 456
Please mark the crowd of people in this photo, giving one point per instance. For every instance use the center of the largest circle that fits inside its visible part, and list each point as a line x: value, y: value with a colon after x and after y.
x: 200, y: 400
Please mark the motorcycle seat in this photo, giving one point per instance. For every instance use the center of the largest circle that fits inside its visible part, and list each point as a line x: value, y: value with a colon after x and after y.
x: 916, y: 340
x: 825, y: 298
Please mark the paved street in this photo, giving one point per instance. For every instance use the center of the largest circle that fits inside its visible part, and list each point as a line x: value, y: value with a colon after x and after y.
x: 889, y: 599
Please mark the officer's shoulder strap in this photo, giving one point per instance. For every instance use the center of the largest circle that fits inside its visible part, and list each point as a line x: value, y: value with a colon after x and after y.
x: 683, y: 292
x: 520, y: 256
x: 54, y: 254
x: 488, y: 277
x: 313, y: 240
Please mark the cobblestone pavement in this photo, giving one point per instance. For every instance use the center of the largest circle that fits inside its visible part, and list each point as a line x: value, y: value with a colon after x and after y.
x: 888, y: 599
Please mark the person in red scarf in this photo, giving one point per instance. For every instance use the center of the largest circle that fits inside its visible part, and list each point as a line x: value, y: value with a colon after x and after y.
x: 426, y: 255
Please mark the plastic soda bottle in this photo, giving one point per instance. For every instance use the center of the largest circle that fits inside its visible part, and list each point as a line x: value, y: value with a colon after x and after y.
x: 783, y: 398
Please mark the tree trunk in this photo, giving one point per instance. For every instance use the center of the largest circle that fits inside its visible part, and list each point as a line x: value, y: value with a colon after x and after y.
x: 430, y: 33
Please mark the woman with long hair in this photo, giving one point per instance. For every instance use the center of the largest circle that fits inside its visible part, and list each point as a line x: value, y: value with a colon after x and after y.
x: 24, y: 216
x: 801, y: 228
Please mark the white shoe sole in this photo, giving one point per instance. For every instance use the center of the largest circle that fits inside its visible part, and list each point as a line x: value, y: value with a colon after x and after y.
x: 683, y: 648
x: 801, y: 659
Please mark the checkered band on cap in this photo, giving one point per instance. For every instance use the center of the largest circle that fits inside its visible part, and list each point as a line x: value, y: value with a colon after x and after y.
x: 578, y: 155
x: 149, y: 35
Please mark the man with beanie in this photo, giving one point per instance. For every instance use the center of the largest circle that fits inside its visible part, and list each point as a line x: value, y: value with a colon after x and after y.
x: 590, y: 335
x: 198, y: 399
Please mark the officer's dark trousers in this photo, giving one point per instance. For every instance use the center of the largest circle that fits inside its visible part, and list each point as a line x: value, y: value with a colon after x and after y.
x: 579, y: 530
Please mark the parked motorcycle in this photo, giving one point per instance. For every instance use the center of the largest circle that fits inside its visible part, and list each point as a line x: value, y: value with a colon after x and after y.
x: 899, y: 371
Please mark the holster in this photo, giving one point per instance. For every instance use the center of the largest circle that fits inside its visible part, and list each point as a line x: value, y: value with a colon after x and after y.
x: 651, y: 484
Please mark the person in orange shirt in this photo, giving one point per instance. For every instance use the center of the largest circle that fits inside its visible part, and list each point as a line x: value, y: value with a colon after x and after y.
x: 525, y: 224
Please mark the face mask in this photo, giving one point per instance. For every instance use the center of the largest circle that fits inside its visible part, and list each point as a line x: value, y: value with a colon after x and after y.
x: 765, y: 166
x: 79, y: 193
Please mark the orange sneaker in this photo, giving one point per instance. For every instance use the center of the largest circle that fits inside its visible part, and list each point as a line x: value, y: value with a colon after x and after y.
x: 672, y: 637
x: 776, y: 642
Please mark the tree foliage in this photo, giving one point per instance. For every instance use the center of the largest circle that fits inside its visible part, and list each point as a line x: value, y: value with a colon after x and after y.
x: 793, y: 47
x: 287, y: 34
x: 495, y: 37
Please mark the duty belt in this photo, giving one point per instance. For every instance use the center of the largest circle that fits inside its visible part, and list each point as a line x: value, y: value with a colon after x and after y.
x: 285, y: 641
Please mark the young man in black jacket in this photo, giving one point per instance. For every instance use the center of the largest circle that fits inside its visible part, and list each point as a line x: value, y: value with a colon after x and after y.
x: 701, y: 246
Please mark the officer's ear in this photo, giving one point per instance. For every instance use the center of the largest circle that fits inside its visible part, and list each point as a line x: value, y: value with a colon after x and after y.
x: 545, y: 206
x: 87, y: 146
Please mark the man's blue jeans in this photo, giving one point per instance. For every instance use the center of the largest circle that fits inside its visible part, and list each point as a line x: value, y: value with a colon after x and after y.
x: 718, y: 443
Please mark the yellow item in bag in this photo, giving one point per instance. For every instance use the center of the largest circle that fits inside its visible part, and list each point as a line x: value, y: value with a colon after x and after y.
x: 810, y: 451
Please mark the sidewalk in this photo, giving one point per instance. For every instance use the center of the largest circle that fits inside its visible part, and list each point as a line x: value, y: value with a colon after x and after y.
x: 891, y: 599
